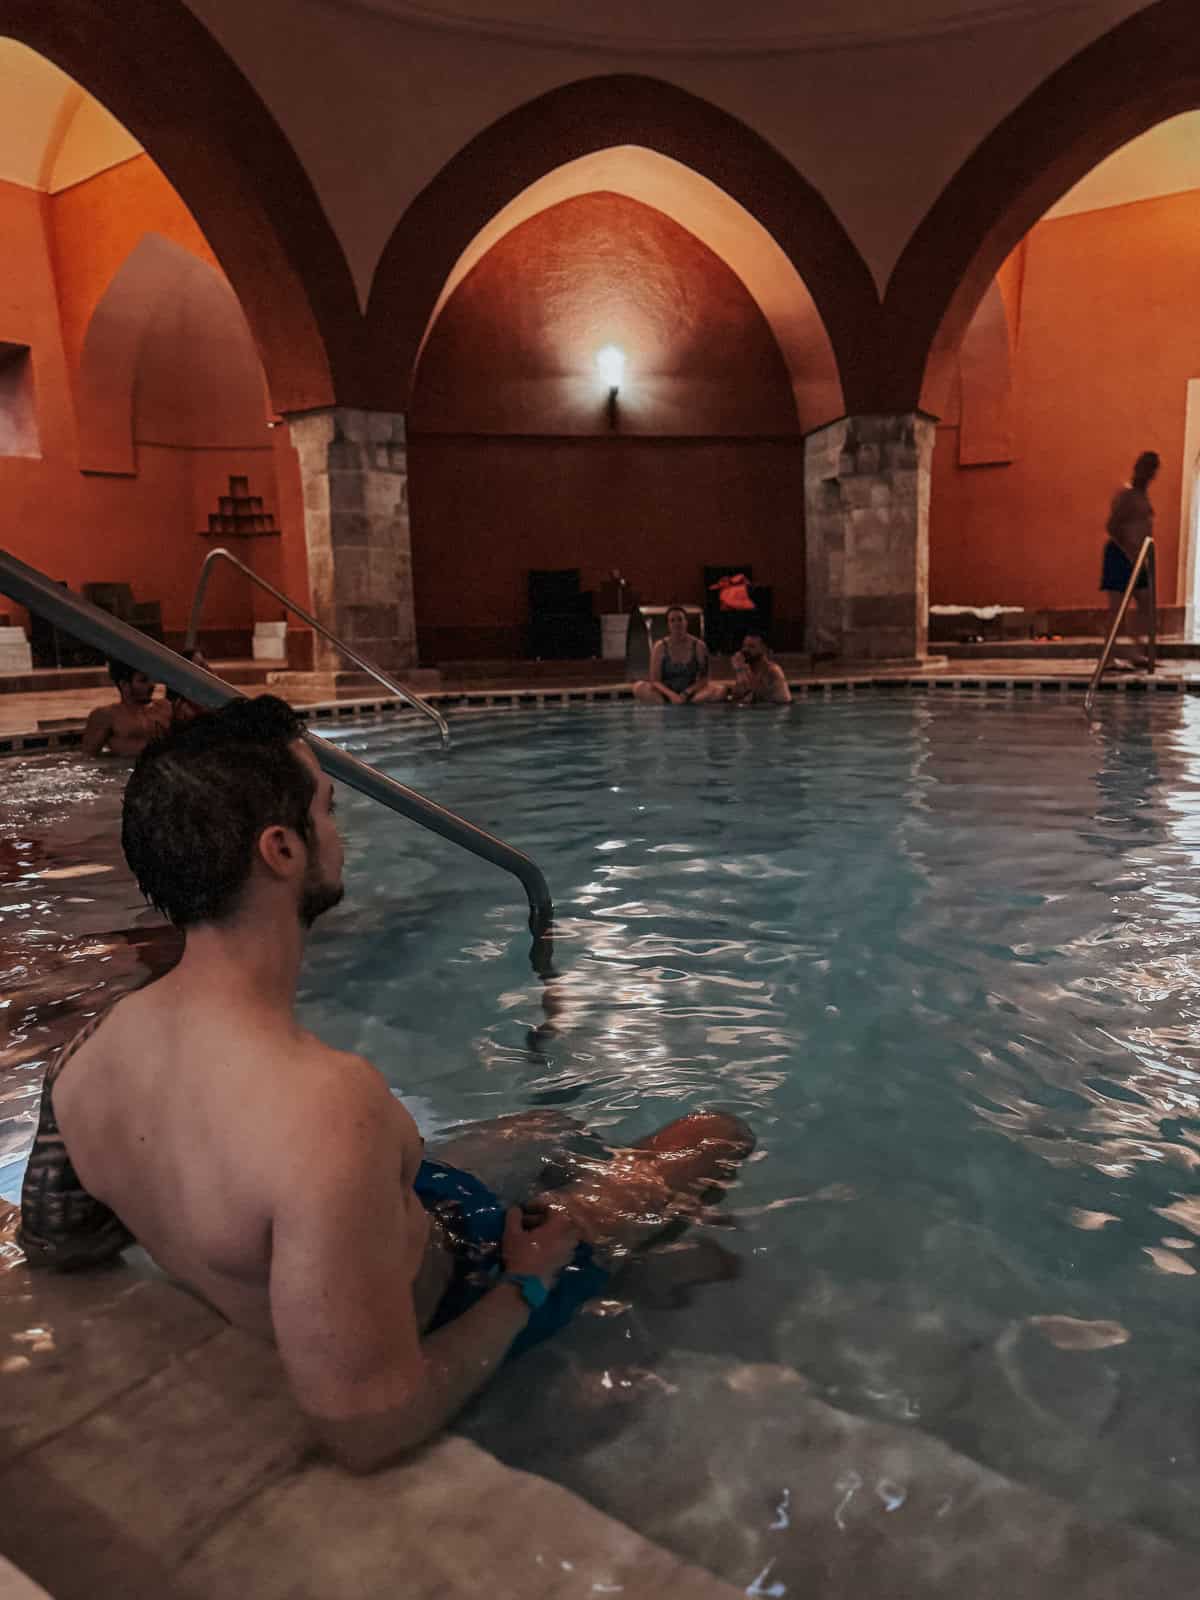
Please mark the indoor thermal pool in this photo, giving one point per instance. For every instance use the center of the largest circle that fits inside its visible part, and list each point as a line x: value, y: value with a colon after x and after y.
x: 942, y: 952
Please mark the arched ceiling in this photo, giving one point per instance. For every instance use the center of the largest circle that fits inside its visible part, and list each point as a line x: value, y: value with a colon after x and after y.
x: 708, y: 213
x: 1164, y: 161
x: 52, y: 133
x: 704, y: 27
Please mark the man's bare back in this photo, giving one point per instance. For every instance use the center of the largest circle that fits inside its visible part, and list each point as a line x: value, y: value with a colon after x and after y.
x: 276, y: 1177
x: 196, y: 1172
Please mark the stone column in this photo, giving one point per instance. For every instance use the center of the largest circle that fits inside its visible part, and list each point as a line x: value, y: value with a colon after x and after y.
x: 354, y: 471
x: 866, y: 501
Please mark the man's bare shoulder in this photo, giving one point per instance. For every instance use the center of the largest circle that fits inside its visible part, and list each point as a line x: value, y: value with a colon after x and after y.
x: 319, y: 1071
x: 339, y: 1097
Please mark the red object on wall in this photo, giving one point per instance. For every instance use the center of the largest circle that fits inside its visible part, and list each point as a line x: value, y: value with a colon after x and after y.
x: 733, y: 593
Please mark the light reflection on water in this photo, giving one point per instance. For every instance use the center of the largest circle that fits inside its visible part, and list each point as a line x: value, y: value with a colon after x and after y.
x: 944, y: 957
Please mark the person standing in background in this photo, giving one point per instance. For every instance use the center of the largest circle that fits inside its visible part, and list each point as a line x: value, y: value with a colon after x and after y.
x: 1130, y: 524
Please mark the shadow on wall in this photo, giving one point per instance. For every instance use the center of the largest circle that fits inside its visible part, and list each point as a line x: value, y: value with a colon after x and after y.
x: 167, y: 360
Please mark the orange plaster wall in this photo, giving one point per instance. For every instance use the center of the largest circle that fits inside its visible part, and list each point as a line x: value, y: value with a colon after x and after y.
x: 97, y: 224
x: 512, y: 462
x: 1107, y: 337
x: 196, y: 409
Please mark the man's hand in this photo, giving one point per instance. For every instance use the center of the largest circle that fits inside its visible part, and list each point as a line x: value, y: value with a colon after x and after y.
x: 540, y: 1251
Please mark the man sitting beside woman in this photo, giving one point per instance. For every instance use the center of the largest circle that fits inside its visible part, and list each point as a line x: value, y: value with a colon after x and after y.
x: 679, y: 671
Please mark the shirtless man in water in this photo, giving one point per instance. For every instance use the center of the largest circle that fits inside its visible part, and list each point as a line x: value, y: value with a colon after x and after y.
x: 279, y: 1178
x: 125, y: 729
x: 759, y: 681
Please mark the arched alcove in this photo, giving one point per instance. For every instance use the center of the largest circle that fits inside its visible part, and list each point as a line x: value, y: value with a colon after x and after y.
x: 518, y: 463
x: 604, y: 118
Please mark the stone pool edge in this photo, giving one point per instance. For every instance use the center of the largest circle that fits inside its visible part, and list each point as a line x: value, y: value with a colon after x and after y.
x: 148, y: 1449
x: 39, y: 740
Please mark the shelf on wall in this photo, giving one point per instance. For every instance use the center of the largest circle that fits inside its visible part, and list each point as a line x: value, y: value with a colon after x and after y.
x: 240, y: 515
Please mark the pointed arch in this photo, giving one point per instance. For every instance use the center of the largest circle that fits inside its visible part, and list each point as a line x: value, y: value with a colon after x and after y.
x: 582, y: 119
x: 1142, y: 72
x: 163, y: 295
x: 709, y: 214
x: 158, y: 70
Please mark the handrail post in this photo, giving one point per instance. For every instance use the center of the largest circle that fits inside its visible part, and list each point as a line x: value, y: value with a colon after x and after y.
x: 1144, y: 554
x: 1152, y: 594
x: 360, y: 662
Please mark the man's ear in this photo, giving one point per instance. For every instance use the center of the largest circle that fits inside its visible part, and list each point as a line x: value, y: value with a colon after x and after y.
x: 278, y: 850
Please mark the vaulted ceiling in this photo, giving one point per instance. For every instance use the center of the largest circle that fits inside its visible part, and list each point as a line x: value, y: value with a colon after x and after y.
x: 52, y: 134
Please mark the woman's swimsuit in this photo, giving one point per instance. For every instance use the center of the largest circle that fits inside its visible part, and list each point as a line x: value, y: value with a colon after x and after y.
x: 679, y: 676
x: 64, y: 1227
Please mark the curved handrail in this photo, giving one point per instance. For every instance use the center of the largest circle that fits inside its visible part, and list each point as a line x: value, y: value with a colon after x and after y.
x: 87, y: 622
x: 1143, y: 556
x: 360, y: 662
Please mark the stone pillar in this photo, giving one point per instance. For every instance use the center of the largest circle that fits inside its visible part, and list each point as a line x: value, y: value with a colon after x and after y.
x: 354, y: 471
x: 866, y: 496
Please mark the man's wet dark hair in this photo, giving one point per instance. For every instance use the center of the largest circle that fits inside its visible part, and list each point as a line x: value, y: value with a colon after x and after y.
x: 199, y: 798
x: 120, y: 672
x: 757, y: 633
x: 1147, y: 462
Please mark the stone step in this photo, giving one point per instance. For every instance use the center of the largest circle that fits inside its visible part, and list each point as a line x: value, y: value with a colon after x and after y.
x: 45, y: 680
x: 592, y: 670
x: 740, y: 1468
x: 149, y: 1450
x: 1078, y: 649
x: 316, y: 686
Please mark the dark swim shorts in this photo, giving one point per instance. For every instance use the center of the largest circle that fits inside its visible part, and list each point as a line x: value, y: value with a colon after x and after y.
x: 473, y: 1218
x: 1117, y: 567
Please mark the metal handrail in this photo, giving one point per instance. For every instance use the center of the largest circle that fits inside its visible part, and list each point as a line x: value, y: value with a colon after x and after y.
x: 57, y: 603
x: 360, y: 662
x: 1143, y: 556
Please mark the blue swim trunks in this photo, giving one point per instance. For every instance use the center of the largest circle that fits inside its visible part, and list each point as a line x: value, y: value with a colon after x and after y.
x: 1115, y: 573
x: 473, y: 1218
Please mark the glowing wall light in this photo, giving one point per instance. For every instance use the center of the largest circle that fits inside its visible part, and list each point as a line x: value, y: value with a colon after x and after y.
x: 610, y: 362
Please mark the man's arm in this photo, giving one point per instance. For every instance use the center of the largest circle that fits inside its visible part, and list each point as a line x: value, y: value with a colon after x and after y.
x: 344, y: 1254
x: 743, y: 685
x: 778, y: 692
x: 97, y: 731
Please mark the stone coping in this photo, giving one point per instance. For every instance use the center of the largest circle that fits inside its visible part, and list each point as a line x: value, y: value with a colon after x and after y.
x: 148, y: 1450
x: 67, y: 737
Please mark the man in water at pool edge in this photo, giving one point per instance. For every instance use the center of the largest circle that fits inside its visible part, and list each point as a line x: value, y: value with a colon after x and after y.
x: 278, y: 1178
x: 126, y: 728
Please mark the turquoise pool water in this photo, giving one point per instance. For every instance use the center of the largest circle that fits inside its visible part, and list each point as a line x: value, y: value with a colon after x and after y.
x: 944, y: 955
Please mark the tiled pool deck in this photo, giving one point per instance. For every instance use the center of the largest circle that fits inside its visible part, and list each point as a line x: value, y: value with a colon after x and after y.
x: 54, y: 719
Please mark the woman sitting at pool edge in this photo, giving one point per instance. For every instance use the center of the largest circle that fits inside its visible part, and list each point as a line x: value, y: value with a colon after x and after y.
x: 678, y: 666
